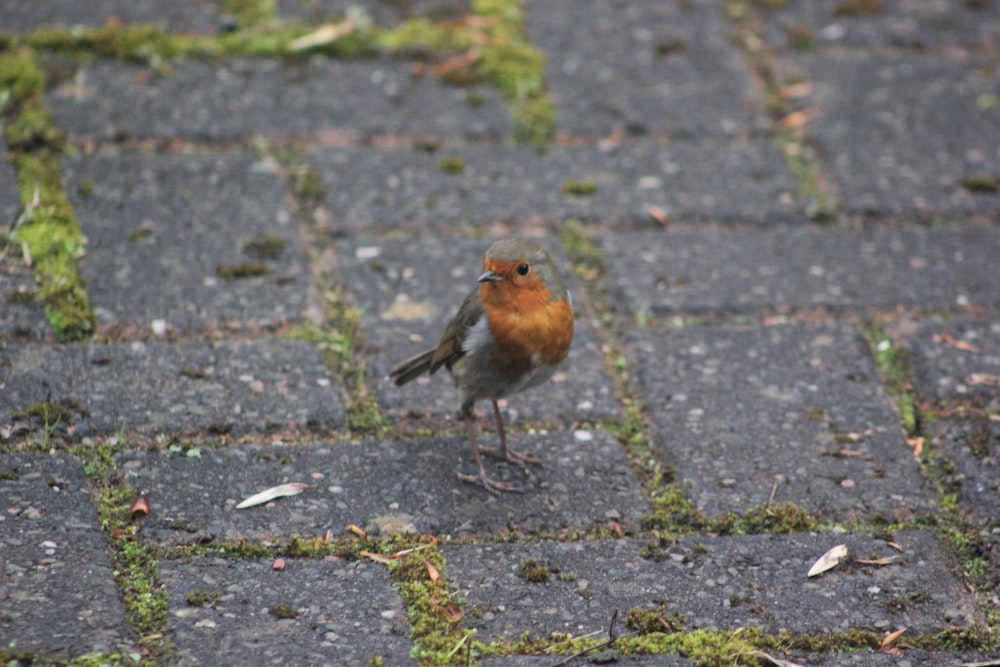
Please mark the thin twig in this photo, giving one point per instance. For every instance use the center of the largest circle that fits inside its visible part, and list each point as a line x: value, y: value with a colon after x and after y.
x: 771, y: 497
x: 28, y: 210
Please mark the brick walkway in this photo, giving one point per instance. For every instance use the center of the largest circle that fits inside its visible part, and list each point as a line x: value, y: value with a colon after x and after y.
x: 780, y: 227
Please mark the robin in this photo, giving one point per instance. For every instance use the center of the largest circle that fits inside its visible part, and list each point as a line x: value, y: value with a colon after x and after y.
x: 511, y: 333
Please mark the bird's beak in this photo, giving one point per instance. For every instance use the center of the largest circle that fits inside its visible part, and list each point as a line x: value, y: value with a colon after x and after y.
x: 488, y: 277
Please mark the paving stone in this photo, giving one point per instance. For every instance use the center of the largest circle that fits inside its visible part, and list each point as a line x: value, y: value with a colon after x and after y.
x: 595, y: 658
x: 786, y: 413
x: 712, y: 582
x: 900, y: 134
x: 162, y: 230
x: 409, y: 288
x: 345, y: 613
x: 908, y: 24
x: 909, y: 658
x: 644, y: 67
x: 972, y: 446
x: 382, y: 12
x: 715, y: 270
x: 58, y: 598
x: 585, y: 480
x: 242, y: 98
x: 957, y: 360
x: 197, y: 16
x: 738, y: 182
x: 155, y: 387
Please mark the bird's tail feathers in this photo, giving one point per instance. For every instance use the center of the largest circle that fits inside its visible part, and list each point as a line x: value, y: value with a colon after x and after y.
x: 412, y: 368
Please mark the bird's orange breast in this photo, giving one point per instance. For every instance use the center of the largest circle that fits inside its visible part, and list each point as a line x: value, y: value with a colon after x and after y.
x: 528, y: 327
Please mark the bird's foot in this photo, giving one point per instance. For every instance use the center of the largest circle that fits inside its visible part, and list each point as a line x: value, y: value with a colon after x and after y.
x: 493, y: 487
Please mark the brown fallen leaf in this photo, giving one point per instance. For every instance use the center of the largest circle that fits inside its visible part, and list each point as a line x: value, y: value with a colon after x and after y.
x: 379, y: 558
x: 449, y: 609
x: 324, y: 35
x: 895, y: 546
x: 433, y: 574
x: 876, y: 561
x: 140, y: 507
x: 917, y: 444
x: 890, y: 639
x: 829, y: 560
x: 947, y: 339
x: 357, y: 531
x: 984, y: 379
x: 799, y: 119
x: 278, y: 565
x: 266, y: 496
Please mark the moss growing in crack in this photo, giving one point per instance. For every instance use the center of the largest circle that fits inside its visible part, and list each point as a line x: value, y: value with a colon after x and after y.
x: 131, y: 42
x: 249, y: 13
x: 587, y: 257
x: 50, y: 229
x: 894, y: 364
x: 534, y: 572
x: 580, y: 188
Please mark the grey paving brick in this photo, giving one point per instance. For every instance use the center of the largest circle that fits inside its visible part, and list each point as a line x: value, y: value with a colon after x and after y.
x: 382, y: 12
x: 713, y: 583
x: 909, y: 658
x: 585, y: 480
x: 199, y: 16
x: 797, y: 411
x: 595, y: 658
x: 58, y: 598
x: 901, y: 133
x: 718, y: 270
x: 972, y: 447
x: 162, y: 231
x: 156, y: 387
x: 344, y: 613
x: 908, y: 24
x: 240, y: 99
x: 409, y: 288
x: 956, y: 360
x: 738, y: 182
x: 644, y: 67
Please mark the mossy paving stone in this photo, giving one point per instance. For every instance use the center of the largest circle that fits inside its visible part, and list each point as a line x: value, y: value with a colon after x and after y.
x: 720, y: 583
x: 905, y: 135
x: 409, y: 289
x: 907, y: 24
x: 58, y: 598
x: 310, y: 613
x: 278, y: 100
x: 972, y: 447
x: 742, y: 182
x: 233, y: 388
x: 594, y: 658
x: 645, y: 68
x: 198, y: 16
x: 791, y: 413
x: 382, y: 12
x: 909, y: 658
x: 957, y: 360
x: 194, y: 241
x: 385, y: 486
x: 716, y: 270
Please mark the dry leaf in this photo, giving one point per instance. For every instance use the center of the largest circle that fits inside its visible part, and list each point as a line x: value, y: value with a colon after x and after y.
x: 291, y: 489
x: 895, y: 546
x: 449, y: 610
x: 876, y: 561
x: 379, y: 558
x: 140, y: 507
x: 278, y: 565
x: 324, y: 35
x: 798, y: 119
x: 658, y: 215
x: 947, y: 339
x: 917, y: 444
x: 433, y: 573
x: 891, y: 638
x: 357, y: 531
x: 984, y: 379
x: 775, y: 661
x: 829, y: 560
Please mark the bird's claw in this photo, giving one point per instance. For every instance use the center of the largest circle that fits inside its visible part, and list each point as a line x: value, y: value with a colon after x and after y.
x: 493, y: 487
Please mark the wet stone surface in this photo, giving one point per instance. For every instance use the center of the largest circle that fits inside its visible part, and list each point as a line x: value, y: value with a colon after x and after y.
x: 385, y: 486
x: 643, y: 68
x: 233, y: 388
x: 713, y: 583
x: 481, y: 184
x: 198, y: 16
x: 972, y: 446
x: 782, y: 414
x: 188, y: 242
x: 718, y: 270
x: 408, y: 290
x: 260, y: 97
x: 881, y: 126
x: 58, y: 598
x: 907, y: 24
x: 957, y: 360
x: 310, y: 613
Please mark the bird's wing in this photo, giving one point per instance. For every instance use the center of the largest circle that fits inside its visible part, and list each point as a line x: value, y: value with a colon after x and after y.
x: 452, y: 344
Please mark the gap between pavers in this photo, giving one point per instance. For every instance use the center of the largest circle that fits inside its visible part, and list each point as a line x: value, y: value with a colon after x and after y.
x: 58, y: 597
x: 720, y: 583
x: 408, y: 290
x: 192, y: 241
x: 223, y: 387
x: 310, y: 613
x: 686, y: 271
x: 384, y: 486
x: 790, y: 413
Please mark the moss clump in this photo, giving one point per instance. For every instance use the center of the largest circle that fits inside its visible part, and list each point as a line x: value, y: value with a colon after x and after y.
x: 534, y: 572
x: 202, y: 598
x: 244, y: 270
x: 894, y: 363
x: 268, y: 246
x: 646, y: 621
x: 674, y: 512
x: 452, y: 165
x: 283, y: 611
x: 985, y: 183
x: 580, y: 188
x: 588, y: 258
x: 857, y: 7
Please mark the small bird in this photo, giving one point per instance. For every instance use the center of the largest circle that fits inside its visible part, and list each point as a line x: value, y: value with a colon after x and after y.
x: 511, y: 333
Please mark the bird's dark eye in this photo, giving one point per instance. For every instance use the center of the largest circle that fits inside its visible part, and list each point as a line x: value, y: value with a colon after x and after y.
x: 523, y: 269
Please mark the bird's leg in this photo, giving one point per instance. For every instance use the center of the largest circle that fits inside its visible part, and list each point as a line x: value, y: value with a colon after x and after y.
x: 481, y: 478
x: 503, y: 451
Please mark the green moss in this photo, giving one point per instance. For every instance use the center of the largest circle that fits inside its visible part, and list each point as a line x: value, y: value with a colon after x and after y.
x: 283, y: 611
x: 126, y: 42
x: 50, y: 229
x: 244, y: 270
x: 534, y: 572
x: 857, y: 7
x: 986, y: 183
x: 894, y: 364
x: 268, y: 246
x: 9, y: 475
x: 580, y: 188
x: 587, y: 257
x: 249, y: 13
x: 452, y: 165
x: 202, y: 598
x: 646, y: 621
